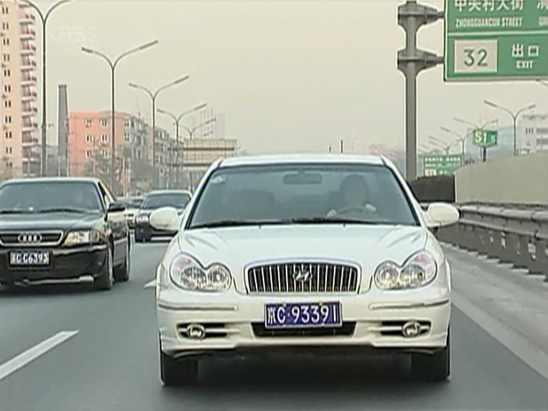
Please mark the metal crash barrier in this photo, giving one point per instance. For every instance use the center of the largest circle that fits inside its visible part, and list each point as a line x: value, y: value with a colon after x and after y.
x: 515, y: 236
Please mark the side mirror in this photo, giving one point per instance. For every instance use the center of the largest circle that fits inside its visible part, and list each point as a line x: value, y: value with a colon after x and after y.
x: 165, y: 219
x: 116, y: 208
x: 441, y: 215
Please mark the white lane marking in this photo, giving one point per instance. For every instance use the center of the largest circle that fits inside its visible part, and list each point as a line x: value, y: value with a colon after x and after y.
x: 33, y: 353
x: 151, y: 284
x: 520, y: 346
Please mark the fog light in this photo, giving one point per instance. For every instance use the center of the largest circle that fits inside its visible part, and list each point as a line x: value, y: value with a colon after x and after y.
x: 195, y: 331
x: 411, y: 329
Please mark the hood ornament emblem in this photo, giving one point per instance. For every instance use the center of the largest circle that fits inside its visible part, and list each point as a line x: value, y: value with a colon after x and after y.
x: 302, y: 275
x: 29, y: 238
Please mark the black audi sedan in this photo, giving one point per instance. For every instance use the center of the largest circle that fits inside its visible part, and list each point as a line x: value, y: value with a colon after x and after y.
x: 62, y: 228
x: 154, y: 200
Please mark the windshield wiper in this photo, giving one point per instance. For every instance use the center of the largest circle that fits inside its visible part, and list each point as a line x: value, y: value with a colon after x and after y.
x: 239, y: 223
x: 334, y: 220
x: 63, y: 210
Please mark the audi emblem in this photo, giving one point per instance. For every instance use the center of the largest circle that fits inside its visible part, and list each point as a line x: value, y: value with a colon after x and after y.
x: 29, y: 238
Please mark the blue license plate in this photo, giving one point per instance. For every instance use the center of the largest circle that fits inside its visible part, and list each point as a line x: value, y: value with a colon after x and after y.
x: 29, y: 258
x: 303, y: 315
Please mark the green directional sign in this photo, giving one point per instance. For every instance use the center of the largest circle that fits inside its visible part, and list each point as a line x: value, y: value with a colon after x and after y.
x: 441, y: 164
x: 494, y: 40
x: 485, y: 138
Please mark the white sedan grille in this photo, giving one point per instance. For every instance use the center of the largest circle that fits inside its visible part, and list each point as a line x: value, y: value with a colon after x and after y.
x: 302, y: 277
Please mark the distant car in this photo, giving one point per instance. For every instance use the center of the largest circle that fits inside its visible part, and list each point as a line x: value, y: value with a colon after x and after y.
x: 303, y: 254
x: 177, y: 199
x: 62, y: 229
x: 132, y: 205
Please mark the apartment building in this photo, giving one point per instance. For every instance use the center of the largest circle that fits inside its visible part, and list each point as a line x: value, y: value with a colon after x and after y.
x: 19, y: 140
x: 90, y: 147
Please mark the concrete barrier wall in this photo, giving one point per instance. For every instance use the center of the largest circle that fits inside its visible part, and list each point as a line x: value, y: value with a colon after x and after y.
x: 517, y: 180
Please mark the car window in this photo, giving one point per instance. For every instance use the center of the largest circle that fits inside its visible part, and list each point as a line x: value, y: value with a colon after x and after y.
x: 177, y: 200
x: 45, y: 195
x: 296, y: 191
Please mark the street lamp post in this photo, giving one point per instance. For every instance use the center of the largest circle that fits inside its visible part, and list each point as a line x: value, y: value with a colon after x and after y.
x: 113, y: 63
x: 461, y: 139
x: 177, y: 121
x: 44, y: 17
x: 515, y: 116
x: 193, y: 130
x: 153, y: 96
x: 440, y: 144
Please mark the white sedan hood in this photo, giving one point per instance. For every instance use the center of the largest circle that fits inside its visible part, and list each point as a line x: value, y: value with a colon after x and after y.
x: 366, y: 246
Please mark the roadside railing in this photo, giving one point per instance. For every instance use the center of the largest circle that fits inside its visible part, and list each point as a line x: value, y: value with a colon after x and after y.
x: 515, y: 236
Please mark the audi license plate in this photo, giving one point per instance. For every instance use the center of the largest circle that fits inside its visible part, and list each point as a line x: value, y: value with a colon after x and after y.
x: 29, y: 258
x: 303, y: 315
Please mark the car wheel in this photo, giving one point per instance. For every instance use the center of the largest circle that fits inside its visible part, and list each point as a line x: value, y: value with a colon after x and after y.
x: 178, y: 373
x: 106, y: 278
x: 122, y: 273
x: 434, y: 367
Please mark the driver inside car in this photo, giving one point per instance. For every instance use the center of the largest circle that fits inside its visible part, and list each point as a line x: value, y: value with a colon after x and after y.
x: 353, y: 198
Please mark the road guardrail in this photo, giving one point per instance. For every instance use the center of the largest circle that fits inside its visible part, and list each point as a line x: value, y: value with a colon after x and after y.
x: 514, y: 236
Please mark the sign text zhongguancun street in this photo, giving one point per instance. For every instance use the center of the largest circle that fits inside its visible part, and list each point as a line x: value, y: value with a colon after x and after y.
x: 496, y: 40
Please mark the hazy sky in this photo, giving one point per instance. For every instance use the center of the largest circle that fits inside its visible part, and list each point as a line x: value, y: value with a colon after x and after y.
x: 289, y: 75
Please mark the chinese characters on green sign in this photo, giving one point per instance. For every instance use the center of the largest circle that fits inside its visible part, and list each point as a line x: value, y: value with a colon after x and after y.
x: 496, y: 39
x: 441, y: 164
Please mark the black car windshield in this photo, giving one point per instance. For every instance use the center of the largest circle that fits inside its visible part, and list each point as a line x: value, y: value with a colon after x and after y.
x: 327, y: 193
x: 177, y: 200
x: 49, y: 196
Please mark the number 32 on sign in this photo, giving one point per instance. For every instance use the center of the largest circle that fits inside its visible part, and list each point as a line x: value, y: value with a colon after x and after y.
x: 476, y: 56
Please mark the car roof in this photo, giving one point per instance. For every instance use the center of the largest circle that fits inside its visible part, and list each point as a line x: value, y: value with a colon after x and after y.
x: 301, y: 158
x: 53, y: 179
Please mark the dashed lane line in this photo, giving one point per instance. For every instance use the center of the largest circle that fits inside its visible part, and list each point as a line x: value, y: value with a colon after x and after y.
x: 33, y: 353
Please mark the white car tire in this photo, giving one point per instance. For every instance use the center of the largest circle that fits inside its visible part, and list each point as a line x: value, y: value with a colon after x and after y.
x: 434, y: 367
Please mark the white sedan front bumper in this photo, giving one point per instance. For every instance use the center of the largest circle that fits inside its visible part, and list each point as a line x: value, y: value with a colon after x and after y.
x: 234, y: 322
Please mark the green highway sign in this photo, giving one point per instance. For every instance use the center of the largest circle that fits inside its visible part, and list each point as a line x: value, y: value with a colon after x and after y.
x: 494, y: 40
x: 441, y: 164
x: 485, y: 138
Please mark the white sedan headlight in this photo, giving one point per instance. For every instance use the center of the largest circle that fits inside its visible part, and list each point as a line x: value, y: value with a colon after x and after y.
x: 189, y: 274
x: 419, y: 270
x: 82, y: 237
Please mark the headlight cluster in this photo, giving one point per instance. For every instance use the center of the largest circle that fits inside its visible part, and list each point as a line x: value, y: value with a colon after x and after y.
x: 187, y: 273
x: 142, y: 218
x: 82, y: 237
x: 418, y: 271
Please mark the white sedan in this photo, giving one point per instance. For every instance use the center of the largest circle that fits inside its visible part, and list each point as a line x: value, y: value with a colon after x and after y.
x: 316, y: 254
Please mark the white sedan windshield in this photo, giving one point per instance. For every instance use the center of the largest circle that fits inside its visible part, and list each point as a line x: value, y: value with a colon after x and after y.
x: 296, y: 192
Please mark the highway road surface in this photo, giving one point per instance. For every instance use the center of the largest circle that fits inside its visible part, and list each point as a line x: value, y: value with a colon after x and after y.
x: 69, y: 348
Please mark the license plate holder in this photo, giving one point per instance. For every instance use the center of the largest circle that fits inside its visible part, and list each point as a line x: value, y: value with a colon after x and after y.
x: 303, y: 315
x: 30, y: 258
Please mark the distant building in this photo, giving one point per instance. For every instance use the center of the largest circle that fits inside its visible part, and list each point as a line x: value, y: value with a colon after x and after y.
x: 19, y: 139
x: 533, y: 133
x: 199, y: 154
